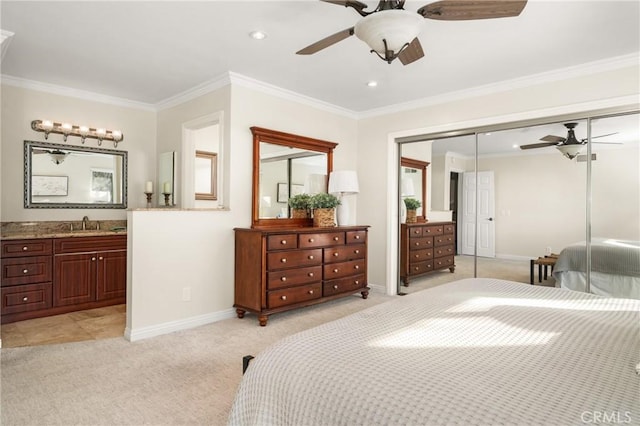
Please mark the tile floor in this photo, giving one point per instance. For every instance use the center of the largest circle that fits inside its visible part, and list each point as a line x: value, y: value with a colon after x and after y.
x: 92, y: 324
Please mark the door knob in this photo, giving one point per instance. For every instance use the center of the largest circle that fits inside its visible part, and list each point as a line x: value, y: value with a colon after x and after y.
x: 490, y: 219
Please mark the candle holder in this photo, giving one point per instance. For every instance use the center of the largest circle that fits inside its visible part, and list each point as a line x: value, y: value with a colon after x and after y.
x: 149, y: 196
x: 167, y: 195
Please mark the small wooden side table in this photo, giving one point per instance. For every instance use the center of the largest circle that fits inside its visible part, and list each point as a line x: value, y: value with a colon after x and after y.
x: 545, y: 261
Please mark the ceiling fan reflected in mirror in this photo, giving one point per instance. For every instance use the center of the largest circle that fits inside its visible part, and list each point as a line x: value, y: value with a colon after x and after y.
x: 569, y: 146
x: 392, y: 32
x: 57, y: 156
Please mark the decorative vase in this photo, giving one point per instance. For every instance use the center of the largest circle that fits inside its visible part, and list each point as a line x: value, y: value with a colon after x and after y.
x: 299, y: 213
x: 411, y: 216
x: 324, y: 217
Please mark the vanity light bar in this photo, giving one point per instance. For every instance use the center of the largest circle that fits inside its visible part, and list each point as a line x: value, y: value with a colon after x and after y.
x: 82, y: 132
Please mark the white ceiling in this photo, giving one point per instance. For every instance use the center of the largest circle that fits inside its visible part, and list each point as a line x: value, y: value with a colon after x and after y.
x: 149, y: 52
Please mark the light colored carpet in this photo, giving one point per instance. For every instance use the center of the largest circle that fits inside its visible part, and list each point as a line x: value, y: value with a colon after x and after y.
x: 187, y: 378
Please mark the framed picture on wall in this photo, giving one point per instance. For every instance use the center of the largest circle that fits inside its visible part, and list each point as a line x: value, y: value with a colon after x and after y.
x: 283, y: 192
x: 49, y: 185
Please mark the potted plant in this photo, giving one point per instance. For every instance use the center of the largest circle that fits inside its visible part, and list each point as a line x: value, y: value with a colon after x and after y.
x: 323, y: 206
x: 412, y: 205
x: 300, y: 205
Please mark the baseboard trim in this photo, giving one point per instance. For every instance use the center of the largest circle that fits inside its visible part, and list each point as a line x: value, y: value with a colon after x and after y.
x: 141, y: 333
x: 377, y: 288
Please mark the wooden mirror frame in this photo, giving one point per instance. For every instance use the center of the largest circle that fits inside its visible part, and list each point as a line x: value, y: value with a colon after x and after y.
x: 420, y: 165
x: 286, y: 139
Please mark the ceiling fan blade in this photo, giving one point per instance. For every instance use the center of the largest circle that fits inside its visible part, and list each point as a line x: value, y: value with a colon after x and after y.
x: 537, y: 145
x: 553, y: 138
x: 358, y: 6
x: 326, y: 42
x: 461, y: 10
x: 412, y: 52
x: 609, y: 143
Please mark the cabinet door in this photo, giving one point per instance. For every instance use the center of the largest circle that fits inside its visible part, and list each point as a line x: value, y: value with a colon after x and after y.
x: 112, y: 275
x: 74, y: 279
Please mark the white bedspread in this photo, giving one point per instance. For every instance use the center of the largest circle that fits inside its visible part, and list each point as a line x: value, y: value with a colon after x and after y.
x: 472, y: 352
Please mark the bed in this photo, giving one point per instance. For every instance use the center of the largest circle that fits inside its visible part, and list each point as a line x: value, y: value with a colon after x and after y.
x: 615, y: 268
x: 472, y: 352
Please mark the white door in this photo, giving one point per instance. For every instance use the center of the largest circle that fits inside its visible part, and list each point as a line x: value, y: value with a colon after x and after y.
x: 485, y: 214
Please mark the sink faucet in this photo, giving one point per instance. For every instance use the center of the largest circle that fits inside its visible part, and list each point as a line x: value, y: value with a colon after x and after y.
x: 84, y: 222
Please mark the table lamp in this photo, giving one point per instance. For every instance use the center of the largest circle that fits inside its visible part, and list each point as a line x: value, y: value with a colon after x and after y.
x: 343, y: 182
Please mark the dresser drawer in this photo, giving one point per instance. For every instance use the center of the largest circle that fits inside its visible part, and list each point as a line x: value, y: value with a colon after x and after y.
x: 325, y: 239
x: 420, y: 268
x: 341, y: 285
x: 442, y: 262
x: 27, y: 248
x: 442, y: 240
x: 25, y: 298
x: 415, y: 231
x: 282, y: 242
x: 344, y: 269
x: 432, y: 230
x: 448, y: 229
x: 420, y: 243
x: 340, y: 254
x: 443, y: 251
x: 416, y: 256
x: 293, y: 258
x: 26, y: 270
x: 295, y: 276
x: 293, y: 295
x: 356, y: 237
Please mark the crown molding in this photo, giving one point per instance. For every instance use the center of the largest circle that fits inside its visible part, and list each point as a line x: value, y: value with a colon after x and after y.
x: 516, y: 83
x: 73, y: 93
x: 195, y: 92
x: 270, y: 89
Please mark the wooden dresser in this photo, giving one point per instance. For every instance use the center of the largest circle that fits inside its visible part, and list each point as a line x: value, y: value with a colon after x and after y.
x: 281, y: 269
x: 426, y: 247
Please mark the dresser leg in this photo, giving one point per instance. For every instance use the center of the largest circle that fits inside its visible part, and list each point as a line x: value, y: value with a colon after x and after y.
x: 452, y: 269
x: 240, y: 313
x: 263, y: 320
x: 365, y: 293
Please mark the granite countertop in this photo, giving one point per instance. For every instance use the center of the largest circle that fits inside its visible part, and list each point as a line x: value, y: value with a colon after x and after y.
x: 61, y: 229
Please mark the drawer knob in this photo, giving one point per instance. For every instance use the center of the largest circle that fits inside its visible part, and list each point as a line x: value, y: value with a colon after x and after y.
x: 283, y: 242
x: 417, y: 256
x: 310, y: 274
x: 356, y: 251
x: 336, y: 254
x: 24, y: 271
x: 283, y: 297
x: 356, y: 282
x: 25, y: 248
x: 93, y: 258
x: 416, y: 232
x: 283, y: 260
x: 429, y: 231
x: 310, y: 240
x: 335, y: 238
x: 417, y: 244
x: 417, y: 268
x: 356, y: 267
x: 283, y: 279
x: 335, y: 286
x: 335, y: 270
x: 310, y: 257
x: 100, y: 258
x: 357, y: 237
x: 24, y: 299
x: 310, y: 291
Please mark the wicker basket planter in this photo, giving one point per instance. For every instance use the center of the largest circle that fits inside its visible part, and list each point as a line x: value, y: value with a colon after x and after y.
x: 411, y: 216
x: 300, y: 213
x: 324, y: 217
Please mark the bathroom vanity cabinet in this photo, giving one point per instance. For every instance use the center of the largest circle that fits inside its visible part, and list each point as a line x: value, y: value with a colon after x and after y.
x: 50, y: 276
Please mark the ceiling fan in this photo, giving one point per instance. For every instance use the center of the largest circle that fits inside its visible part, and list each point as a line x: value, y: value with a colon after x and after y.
x: 569, y: 146
x: 392, y: 32
x: 57, y: 156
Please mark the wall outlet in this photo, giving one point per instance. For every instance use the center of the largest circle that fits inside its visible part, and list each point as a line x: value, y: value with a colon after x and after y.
x: 186, y: 294
x: 547, y: 251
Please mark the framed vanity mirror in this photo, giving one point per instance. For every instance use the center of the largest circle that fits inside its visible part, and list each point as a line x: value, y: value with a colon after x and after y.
x: 285, y: 164
x: 413, y: 183
x: 67, y: 176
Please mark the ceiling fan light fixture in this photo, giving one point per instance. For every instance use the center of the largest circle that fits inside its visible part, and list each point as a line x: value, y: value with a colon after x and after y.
x: 570, y: 151
x: 58, y: 156
x: 388, y: 32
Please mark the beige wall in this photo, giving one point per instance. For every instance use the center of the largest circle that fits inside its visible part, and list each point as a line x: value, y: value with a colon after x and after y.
x: 20, y: 106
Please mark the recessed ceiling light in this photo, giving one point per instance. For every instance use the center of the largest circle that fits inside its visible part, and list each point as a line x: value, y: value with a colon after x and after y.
x: 372, y: 83
x: 257, y: 35
x: 516, y: 145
